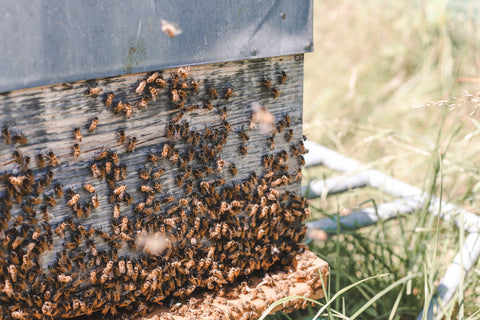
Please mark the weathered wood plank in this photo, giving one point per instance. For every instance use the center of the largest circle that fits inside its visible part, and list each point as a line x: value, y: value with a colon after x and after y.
x: 47, y: 117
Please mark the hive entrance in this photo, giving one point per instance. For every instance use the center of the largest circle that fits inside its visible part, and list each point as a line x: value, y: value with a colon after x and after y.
x: 167, y: 186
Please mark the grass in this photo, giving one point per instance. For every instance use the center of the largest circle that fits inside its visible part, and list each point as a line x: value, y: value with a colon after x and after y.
x: 379, y: 88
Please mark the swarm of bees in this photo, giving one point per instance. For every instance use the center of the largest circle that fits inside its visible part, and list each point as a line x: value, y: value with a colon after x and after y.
x: 215, y: 231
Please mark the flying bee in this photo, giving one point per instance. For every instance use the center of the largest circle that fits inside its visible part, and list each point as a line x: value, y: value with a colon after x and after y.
x: 131, y: 144
x: 283, y: 77
x: 161, y: 83
x: 94, y: 91
x: 89, y: 187
x: 109, y: 99
x: 275, y: 93
x: 171, y: 28
x: 77, y: 134
x: 93, y: 124
x: 228, y: 93
x: 141, y: 86
x: 213, y: 93
x: 76, y: 150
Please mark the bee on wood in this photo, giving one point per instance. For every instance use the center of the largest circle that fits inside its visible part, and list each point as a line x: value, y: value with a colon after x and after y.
x: 194, y: 85
x: 153, y: 93
x: 228, y: 93
x: 19, y: 138
x: 167, y: 150
x: 271, y: 142
x: 177, y: 117
x: 208, y: 105
x: 161, y: 83
x: 131, y: 144
x: 283, y: 77
x: 243, y: 136
x: 144, y: 174
x: 243, y: 149
x: 89, y: 187
x: 220, y: 165
x: 168, y: 199
x: 128, y: 111
x: 288, y: 135
x: 123, y: 172
x: 6, y: 135
x: 146, y: 189
x: 275, y: 93
x: 266, y: 83
x: 95, y: 202
x: 58, y: 190
x: 76, y: 150
x: 49, y: 200
x: 77, y: 134
x: 94, y: 91
x: 121, y: 136
x: 158, y: 173
x: 213, y: 93
x: 93, y: 124
x: 153, y: 158
x: 175, y: 96
x: 179, y: 180
x: 109, y: 99
x: 183, y: 72
x: 96, y: 171
x: 74, y: 199
x: 52, y: 158
x: 142, y: 104
x: 120, y: 107
x: 141, y: 86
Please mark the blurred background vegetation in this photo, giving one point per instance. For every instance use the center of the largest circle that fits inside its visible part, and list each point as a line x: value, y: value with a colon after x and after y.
x: 396, y: 85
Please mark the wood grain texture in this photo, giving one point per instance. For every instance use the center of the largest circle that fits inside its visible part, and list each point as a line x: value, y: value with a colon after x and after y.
x: 47, y: 117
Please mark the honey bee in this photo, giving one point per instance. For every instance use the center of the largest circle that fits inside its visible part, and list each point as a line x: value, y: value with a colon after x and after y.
x: 120, y: 107
x: 141, y: 86
x: 213, y: 93
x: 77, y: 134
x: 96, y: 172
x: 220, y: 165
x: 161, y: 83
x: 177, y: 117
x: 128, y: 111
x: 175, y: 96
x: 179, y: 180
x: 153, y: 93
x: 131, y: 144
x: 288, y: 135
x: 109, y: 99
x: 73, y: 200
x: 194, y: 85
x: 183, y: 72
x: 275, y: 93
x: 158, y: 173
x: 271, y: 142
x: 19, y: 138
x: 168, y: 199
x: 94, y: 91
x: 49, y: 200
x: 58, y: 190
x: 6, y: 135
x: 266, y: 83
x: 95, y: 202
x: 76, y: 150
x: 89, y: 187
x: 228, y: 93
x: 208, y: 105
x: 243, y: 149
x: 170, y: 28
x: 167, y: 150
x: 283, y: 77
x: 93, y: 124
x: 120, y: 189
x: 243, y: 136
x: 142, y: 104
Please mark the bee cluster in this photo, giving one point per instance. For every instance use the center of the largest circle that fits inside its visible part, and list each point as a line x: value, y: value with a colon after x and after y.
x: 163, y: 192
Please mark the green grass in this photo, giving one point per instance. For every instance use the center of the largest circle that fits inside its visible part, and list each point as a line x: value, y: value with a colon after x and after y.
x: 373, y: 91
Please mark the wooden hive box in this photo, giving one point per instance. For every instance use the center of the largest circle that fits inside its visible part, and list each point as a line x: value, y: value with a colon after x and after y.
x: 148, y: 187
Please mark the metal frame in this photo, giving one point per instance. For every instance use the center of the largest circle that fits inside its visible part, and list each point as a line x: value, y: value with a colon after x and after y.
x: 409, y: 199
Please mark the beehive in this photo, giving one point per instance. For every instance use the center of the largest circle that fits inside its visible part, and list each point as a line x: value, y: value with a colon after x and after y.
x: 204, y: 166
